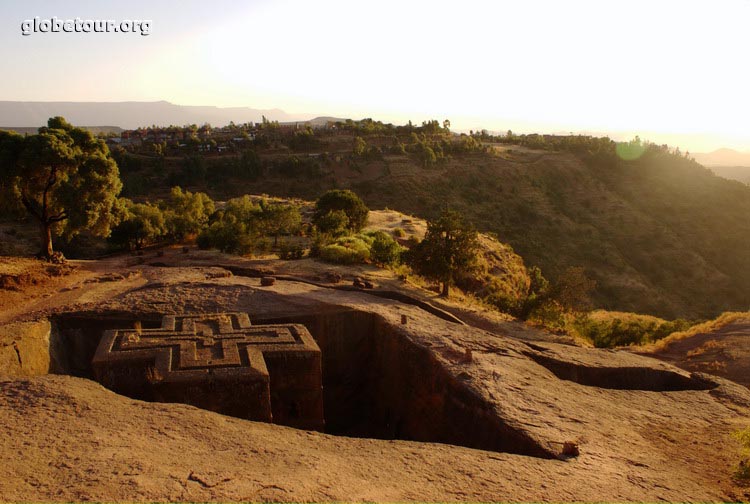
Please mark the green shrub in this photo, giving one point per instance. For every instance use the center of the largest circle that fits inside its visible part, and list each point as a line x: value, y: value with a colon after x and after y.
x: 348, y: 250
x: 743, y: 468
x: 228, y: 235
x: 334, y: 223
x: 505, y: 302
x: 336, y: 199
x: 289, y: 252
x: 186, y: 213
x: 384, y: 249
x: 399, y: 232
x: 338, y: 254
x: 549, y: 314
x: 621, y: 331
x: 355, y: 240
x: 263, y: 244
x: 143, y: 224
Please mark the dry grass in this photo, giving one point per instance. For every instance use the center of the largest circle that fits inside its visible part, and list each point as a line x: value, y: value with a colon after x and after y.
x: 607, y: 316
x: 390, y: 220
x: 708, y: 345
x: 712, y: 325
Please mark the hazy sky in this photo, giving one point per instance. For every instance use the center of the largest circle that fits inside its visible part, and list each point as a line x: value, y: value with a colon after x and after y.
x: 673, y: 71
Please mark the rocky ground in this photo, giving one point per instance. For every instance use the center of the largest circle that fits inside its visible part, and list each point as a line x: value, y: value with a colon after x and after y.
x: 724, y: 351
x: 643, y: 429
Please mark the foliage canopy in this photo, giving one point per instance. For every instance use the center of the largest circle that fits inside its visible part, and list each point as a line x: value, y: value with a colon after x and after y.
x: 64, y: 177
x: 450, y: 246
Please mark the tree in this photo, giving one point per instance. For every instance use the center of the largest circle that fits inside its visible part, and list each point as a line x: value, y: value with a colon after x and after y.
x: 186, y: 213
x: 277, y: 219
x: 143, y: 224
x: 573, y: 289
x: 11, y: 146
x: 537, y: 294
x: 385, y: 250
x: 233, y: 229
x: 426, y: 155
x: 228, y: 235
x: 360, y: 147
x: 64, y: 177
x: 346, y: 201
x: 450, y: 247
x: 334, y: 223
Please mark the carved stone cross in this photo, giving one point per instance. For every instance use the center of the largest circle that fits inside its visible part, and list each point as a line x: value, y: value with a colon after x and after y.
x: 218, y: 362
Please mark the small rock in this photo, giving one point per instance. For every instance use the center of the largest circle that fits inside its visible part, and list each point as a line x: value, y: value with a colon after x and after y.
x: 333, y: 277
x: 368, y: 284
x: 220, y: 273
x: 57, y: 258
x: 358, y: 282
x: 185, y: 250
x: 267, y: 281
x: 111, y: 277
x: 570, y: 449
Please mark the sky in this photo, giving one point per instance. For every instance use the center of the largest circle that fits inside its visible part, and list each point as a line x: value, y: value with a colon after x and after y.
x: 671, y: 71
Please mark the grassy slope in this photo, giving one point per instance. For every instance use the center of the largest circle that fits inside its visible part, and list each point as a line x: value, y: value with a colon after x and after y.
x: 740, y: 173
x: 662, y: 240
x: 660, y: 235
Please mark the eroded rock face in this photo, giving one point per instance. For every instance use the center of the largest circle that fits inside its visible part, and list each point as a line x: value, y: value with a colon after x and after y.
x: 641, y: 429
x: 221, y: 363
x: 25, y: 349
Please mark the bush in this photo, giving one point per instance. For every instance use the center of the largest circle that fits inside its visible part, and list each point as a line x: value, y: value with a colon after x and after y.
x: 233, y: 229
x: 289, y: 252
x: 350, y: 250
x: 385, y: 250
x: 549, y: 314
x: 277, y: 219
x: 743, y: 468
x: 505, y: 302
x: 143, y: 224
x: 227, y: 235
x: 399, y: 232
x: 621, y: 331
x: 355, y: 209
x: 263, y: 244
x: 334, y: 223
x: 186, y: 213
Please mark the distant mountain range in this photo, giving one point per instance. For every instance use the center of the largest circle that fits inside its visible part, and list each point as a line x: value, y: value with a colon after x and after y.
x: 727, y: 163
x: 723, y: 157
x: 131, y: 115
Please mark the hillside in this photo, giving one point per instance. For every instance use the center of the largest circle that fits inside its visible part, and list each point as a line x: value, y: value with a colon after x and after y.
x: 659, y: 237
x: 660, y: 234
x: 740, y: 173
